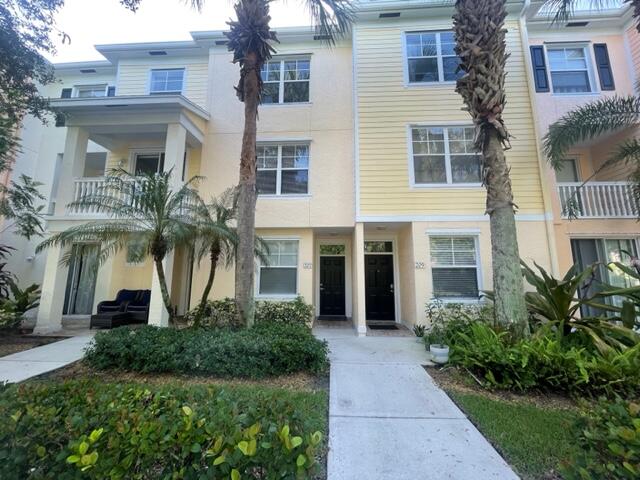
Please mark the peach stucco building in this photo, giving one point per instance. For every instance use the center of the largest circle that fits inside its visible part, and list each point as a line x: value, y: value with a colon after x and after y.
x: 369, y: 189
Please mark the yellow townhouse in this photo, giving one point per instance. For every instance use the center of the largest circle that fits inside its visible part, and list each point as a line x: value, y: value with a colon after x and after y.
x: 369, y: 190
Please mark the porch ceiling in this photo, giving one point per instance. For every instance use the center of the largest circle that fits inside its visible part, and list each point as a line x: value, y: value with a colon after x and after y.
x: 113, y: 121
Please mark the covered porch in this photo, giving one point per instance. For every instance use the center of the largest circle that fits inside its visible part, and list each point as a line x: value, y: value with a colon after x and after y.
x: 137, y: 134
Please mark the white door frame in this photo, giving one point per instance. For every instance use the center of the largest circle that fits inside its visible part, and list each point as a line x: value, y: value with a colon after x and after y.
x: 348, y: 284
x: 374, y: 237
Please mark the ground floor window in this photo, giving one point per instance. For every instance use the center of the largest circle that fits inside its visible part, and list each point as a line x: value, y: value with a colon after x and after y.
x: 454, y: 267
x: 280, y: 275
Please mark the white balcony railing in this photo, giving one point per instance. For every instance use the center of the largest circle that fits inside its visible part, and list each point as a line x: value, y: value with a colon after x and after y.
x: 598, y: 200
x: 83, y: 187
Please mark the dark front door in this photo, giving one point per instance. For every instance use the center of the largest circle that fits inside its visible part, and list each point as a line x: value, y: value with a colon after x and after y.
x: 332, y: 286
x: 380, y: 300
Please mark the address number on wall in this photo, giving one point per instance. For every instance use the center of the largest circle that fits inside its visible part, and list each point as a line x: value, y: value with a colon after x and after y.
x: 307, y: 266
x: 419, y: 265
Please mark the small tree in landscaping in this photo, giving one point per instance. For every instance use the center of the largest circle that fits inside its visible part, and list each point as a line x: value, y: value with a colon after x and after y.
x: 143, y: 210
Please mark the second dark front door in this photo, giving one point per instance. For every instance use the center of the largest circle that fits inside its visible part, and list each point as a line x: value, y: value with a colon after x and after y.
x: 380, y: 299
x: 332, y: 286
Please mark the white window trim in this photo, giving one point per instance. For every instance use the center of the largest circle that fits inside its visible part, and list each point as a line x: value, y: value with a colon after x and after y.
x: 476, y: 239
x: 134, y: 152
x: 166, y: 92
x: 279, y: 170
x: 259, y: 266
x: 405, y: 61
x: 593, y: 83
x: 281, y: 82
x: 75, y: 90
x: 412, y: 173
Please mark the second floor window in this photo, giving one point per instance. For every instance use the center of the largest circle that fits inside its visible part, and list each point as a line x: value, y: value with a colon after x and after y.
x: 569, y: 69
x: 167, y: 81
x: 431, y: 57
x: 89, y: 91
x: 444, y: 155
x: 148, y: 163
x: 283, y: 169
x: 286, y: 81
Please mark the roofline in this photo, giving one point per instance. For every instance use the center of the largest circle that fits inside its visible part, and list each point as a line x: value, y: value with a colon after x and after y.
x: 85, y: 64
x: 115, y: 47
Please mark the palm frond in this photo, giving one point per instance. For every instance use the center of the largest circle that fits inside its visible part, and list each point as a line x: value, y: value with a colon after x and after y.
x: 587, y: 122
x: 331, y: 18
x: 563, y: 10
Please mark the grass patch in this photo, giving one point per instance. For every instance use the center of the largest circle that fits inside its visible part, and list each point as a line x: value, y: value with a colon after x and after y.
x: 533, y: 439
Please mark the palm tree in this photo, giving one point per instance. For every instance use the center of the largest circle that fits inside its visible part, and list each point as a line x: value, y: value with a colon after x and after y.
x: 218, y: 238
x: 143, y: 210
x: 592, y: 120
x: 480, y: 44
x: 251, y: 41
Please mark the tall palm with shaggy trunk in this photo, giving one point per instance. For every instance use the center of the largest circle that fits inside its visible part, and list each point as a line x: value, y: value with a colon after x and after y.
x: 142, y: 210
x: 480, y: 44
x: 251, y: 41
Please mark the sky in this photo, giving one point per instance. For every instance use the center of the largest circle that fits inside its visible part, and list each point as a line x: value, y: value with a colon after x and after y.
x: 95, y: 22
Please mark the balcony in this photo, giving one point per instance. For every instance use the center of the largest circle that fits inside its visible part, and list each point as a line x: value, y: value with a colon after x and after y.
x: 598, y: 200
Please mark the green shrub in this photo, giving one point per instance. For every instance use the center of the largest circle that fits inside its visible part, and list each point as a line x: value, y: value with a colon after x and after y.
x: 12, y: 310
x: 447, y: 320
x: 87, y: 429
x: 223, y: 313
x: 609, y: 437
x: 544, y: 363
x: 262, y: 351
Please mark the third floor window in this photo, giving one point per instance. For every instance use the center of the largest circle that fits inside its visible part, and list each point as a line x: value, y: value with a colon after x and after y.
x: 286, y: 81
x: 569, y: 68
x: 169, y: 80
x: 283, y: 169
x: 431, y: 57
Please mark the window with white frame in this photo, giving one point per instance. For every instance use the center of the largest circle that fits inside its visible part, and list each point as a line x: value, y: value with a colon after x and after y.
x: 283, y: 169
x: 170, y: 80
x: 280, y: 275
x: 286, y: 81
x: 454, y: 267
x: 569, y: 69
x: 91, y: 91
x: 148, y: 163
x: 444, y: 155
x: 431, y: 57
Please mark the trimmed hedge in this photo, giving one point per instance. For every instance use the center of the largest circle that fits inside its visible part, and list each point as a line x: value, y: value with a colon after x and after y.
x: 87, y: 429
x: 223, y: 313
x: 262, y: 351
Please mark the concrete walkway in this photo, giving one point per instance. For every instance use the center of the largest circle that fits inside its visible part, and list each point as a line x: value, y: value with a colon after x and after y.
x: 36, y: 361
x: 389, y: 421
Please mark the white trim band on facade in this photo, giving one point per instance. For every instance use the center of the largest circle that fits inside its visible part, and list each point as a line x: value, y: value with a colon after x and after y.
x: 532, y: 217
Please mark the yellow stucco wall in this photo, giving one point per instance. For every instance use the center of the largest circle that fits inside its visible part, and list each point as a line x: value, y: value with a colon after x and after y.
x: 386, y: 107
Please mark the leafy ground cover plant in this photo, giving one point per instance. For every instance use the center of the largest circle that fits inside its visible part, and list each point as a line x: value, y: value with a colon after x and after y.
x: 87, y: 429
x: 14, y: 306
x: 544, y: 363
x: 261, y: 351
x: 609, y: 440
x: 447, y: 320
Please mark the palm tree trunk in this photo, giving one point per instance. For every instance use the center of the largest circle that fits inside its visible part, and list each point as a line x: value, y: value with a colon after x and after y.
x: 247, y: 194
x: 215, y: 255
x: 162, y: 280
x: 509, y: 303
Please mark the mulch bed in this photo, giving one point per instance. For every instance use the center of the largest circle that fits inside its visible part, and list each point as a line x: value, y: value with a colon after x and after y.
x: 453, y: 378
x: 298, y: 381
x: 11, y: 342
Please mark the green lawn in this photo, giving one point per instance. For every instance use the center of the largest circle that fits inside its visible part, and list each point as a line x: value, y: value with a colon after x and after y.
x: 534, y: 440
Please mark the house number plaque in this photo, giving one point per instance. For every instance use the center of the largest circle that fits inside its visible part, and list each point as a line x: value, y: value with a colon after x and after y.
x: 419, y: 265
x: 307, y: 266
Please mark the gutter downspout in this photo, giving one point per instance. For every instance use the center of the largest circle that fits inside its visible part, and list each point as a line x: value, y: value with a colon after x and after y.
x: 546, y: 194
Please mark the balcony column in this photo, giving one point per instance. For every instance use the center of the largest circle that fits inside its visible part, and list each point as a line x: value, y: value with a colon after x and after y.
x: 75, y: 153
x: 174, y: 150
x: 103, y: 283
x: 360, y: 308
x: 54, y: 284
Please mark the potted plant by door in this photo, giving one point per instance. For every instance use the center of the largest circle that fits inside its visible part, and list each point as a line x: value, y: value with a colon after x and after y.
x: 434, y: 342
x: 418, y: 331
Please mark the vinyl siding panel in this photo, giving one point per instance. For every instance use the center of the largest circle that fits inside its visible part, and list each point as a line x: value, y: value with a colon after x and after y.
x: 386, y: 107
x: 133, y: 77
